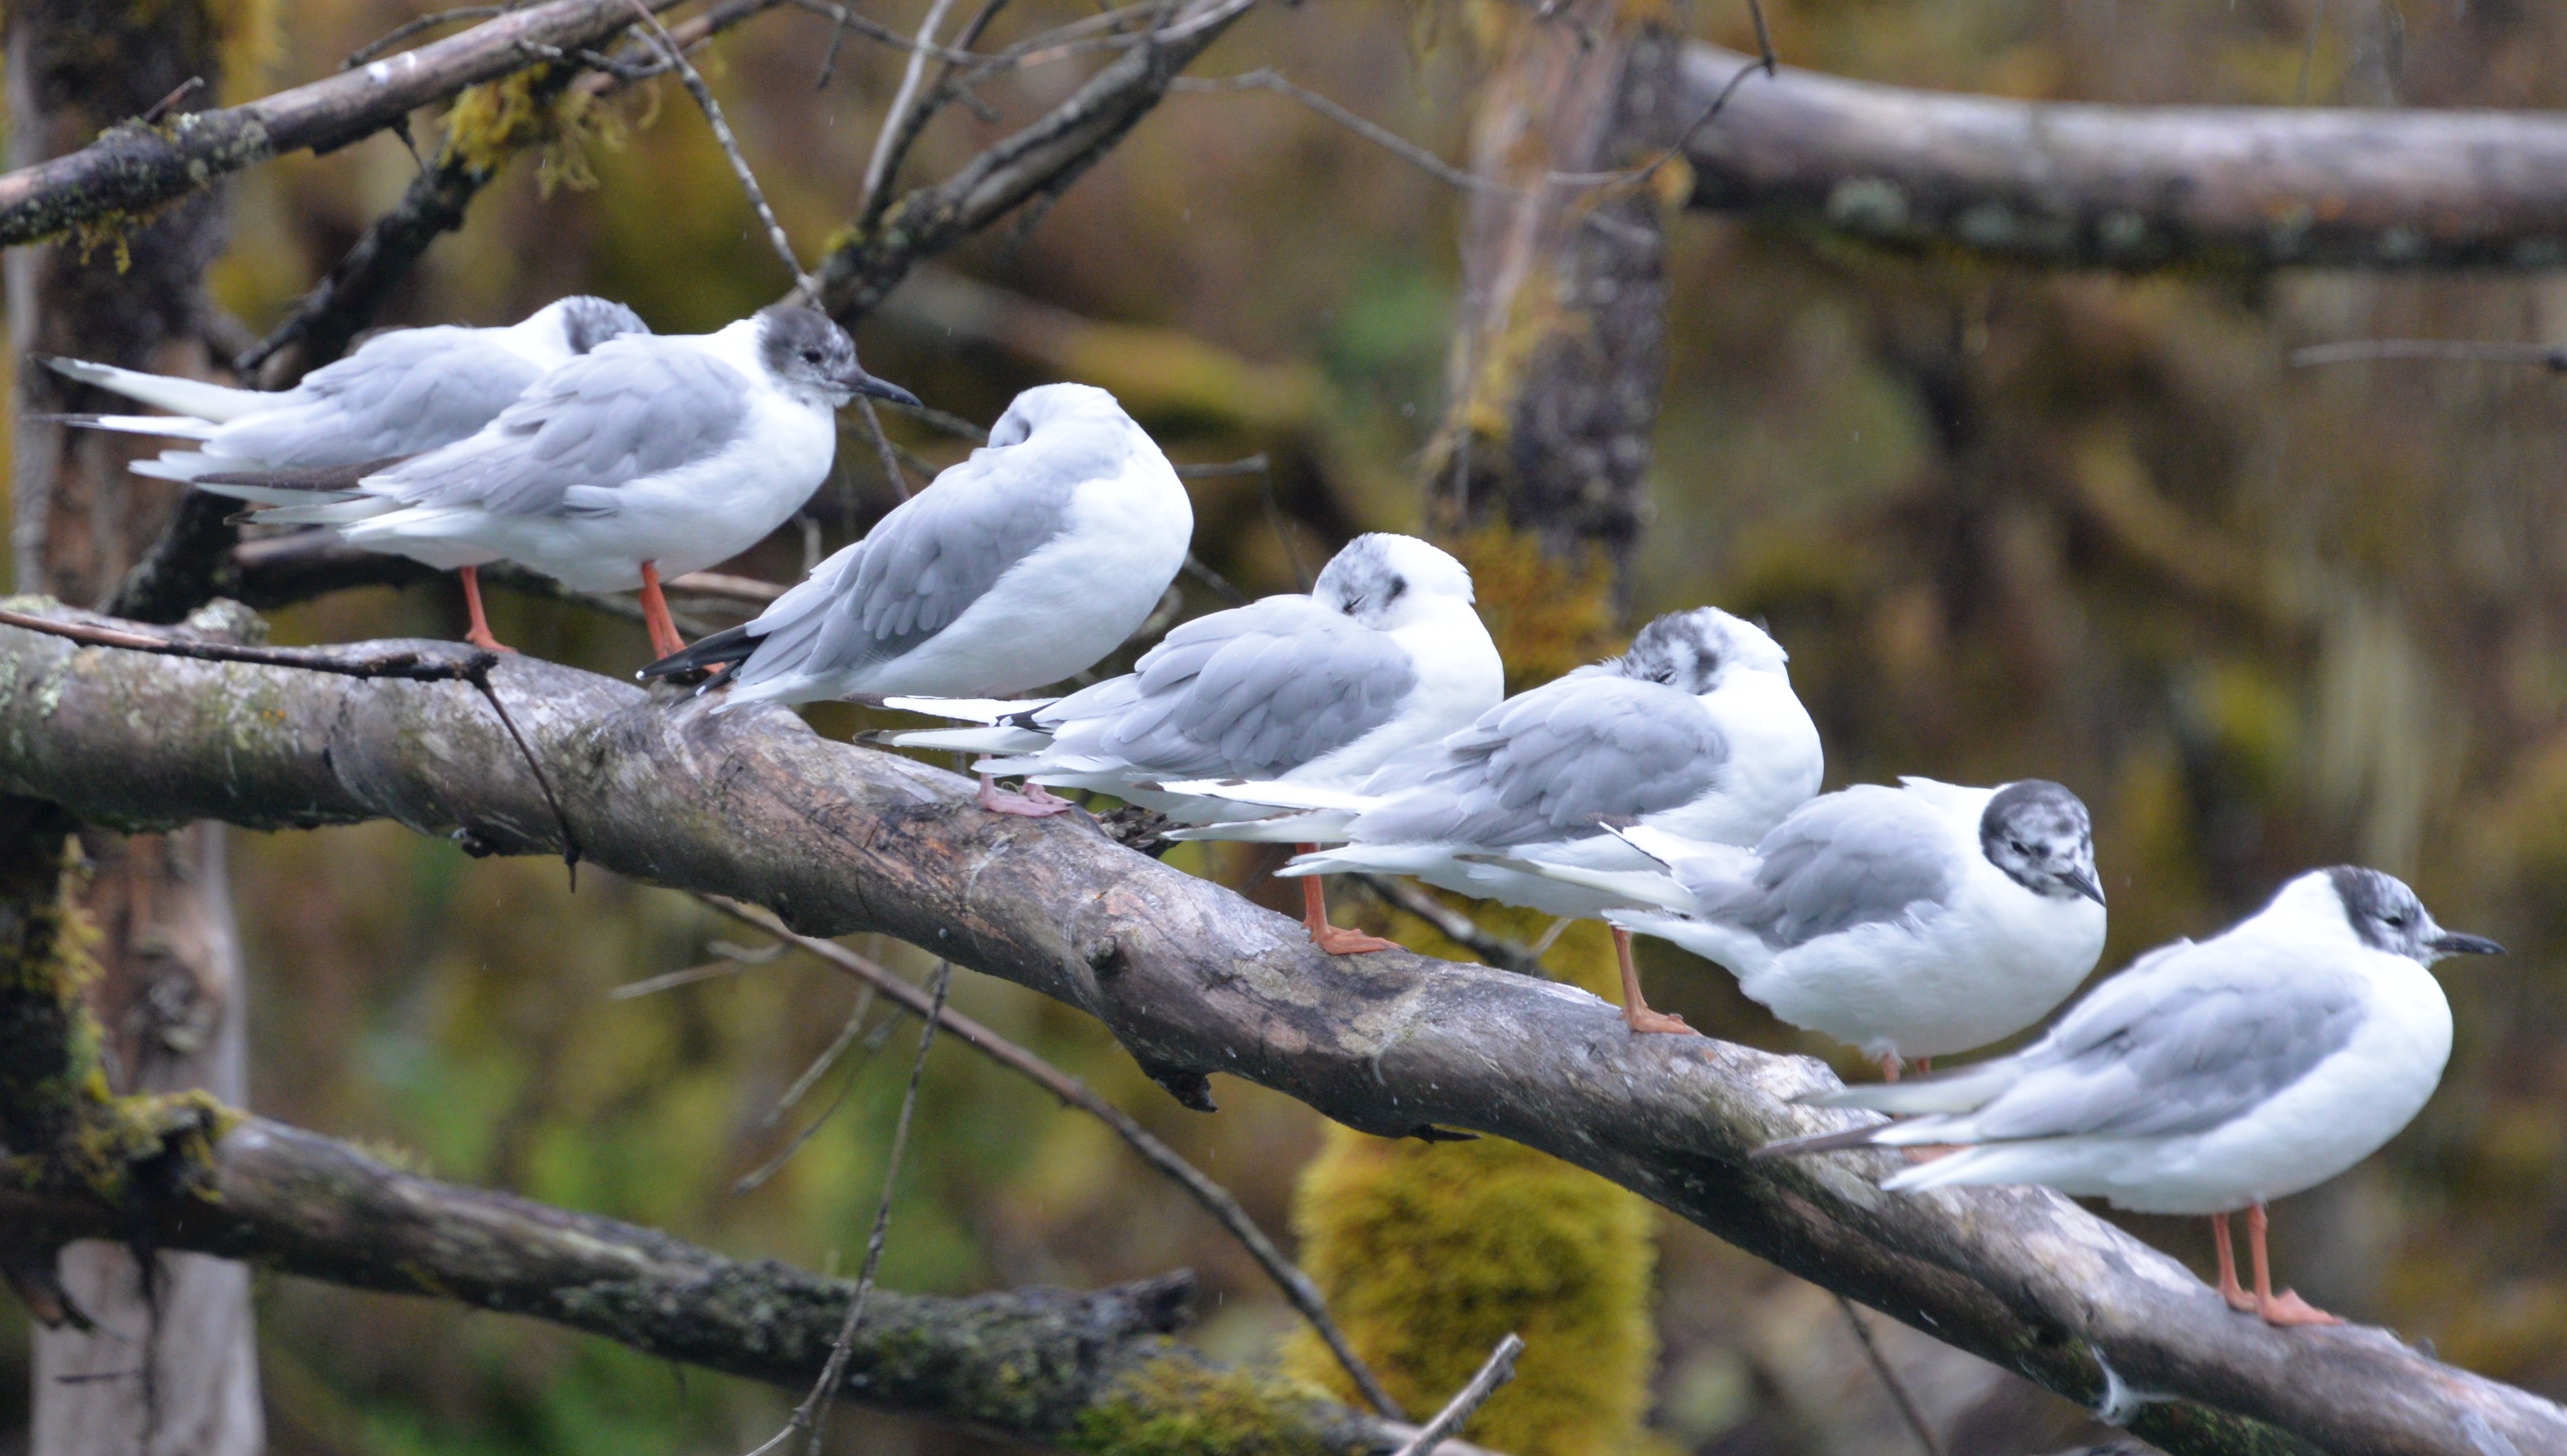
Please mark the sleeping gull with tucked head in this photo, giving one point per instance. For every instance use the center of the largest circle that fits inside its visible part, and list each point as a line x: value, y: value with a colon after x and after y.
x: 1386, y: 654
x: 2206, y: 1079
x: 1911, y: 922
x: 1022, y: 565
x: 1694, y: 730
x: 401, y: 392
x: 647, y: 457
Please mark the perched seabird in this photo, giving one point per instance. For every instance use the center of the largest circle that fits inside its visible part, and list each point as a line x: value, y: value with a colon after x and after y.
x: 647, y: 457
x: 2206, y: 1079
x: 400, y: 393
x: 1022, y: 565
x: 1911, y: 922
x: 1694, y: 730
x: 1386, y: 654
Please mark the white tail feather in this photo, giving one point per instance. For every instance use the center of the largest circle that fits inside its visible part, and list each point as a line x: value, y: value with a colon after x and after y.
x: 968, y: 709
x: 972, y: 740
x: 166, y: 427
x: 215, y: 402
x: 1637, y: 887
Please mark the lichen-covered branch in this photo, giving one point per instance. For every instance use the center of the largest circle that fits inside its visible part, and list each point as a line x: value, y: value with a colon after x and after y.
x: 1081, y: 1372
x: 1039, y: 160
x: 2132, y: 186
x: 1195, y: 980
x: 133, y: 168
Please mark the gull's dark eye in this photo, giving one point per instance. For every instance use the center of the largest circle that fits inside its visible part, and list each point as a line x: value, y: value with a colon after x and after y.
x: 810, y: 356
x: 2022, y: 848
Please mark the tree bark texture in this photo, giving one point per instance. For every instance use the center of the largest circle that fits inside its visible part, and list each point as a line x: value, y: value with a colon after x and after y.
x: 172, y: 1369
x: 1561, y: 344
x: 1081, y: 1371
x: 2125, y: 186
x: 1194, y: 980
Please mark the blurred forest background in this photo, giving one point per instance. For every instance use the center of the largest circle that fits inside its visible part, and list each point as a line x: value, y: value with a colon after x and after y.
x: 2082, y: 526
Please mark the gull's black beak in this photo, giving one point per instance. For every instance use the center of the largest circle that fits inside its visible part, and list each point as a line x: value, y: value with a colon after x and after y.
x: 2452, y: 943
x: 2082, y: 882
x: 856, y: 381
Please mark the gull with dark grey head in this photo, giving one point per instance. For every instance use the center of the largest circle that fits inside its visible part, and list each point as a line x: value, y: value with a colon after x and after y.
x: 647, y: 457
x: 1912, y: 922
x: 1695, y: 730
x: 1383, y: 655
x: 2206, y: 1079
x: 402, y: 391
x: 1024, y: 564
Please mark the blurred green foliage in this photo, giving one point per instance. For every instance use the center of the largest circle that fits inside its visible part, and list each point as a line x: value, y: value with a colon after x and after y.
x: 2093, y: 528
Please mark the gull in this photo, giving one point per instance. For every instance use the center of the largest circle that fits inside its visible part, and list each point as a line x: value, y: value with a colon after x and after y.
x: 1911, y: 922
x: 2206, y: 1079
x: 648, y: 456
x: 1024, y: 564
x: 402, y: 391
x: 1386, y: 654
x: 1694, y: 730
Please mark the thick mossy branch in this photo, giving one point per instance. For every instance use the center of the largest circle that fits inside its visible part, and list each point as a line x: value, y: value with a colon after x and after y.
x: 132, y: 168
x: 1195, y: 980
x: 1088, y: 1371
x: 49, y: 1044
x: 2130, y: 186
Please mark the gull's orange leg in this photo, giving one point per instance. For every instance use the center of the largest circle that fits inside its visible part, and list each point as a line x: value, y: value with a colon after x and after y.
x: 1034, y: 803
x: 1635, y: 1008
x: 1315, y: 915
x: 478, y: 628
x: 2229, y: 1288
x: 654, y: 615
x: 2286, y: 1308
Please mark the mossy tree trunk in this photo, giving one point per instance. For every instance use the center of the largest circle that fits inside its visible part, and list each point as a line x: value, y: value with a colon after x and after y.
x: 172, y: 1369
x: 1430, y: 1253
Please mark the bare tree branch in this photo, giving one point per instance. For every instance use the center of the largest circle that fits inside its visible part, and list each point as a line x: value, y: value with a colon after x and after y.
x: 2126, y: 186
x: 1041, y: 1365
x: 1194, y: 980
x: 133, y: 168
x: 1497, y: 1369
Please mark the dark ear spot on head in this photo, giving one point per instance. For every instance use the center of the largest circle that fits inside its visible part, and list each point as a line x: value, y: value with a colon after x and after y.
x: 1398, y: 587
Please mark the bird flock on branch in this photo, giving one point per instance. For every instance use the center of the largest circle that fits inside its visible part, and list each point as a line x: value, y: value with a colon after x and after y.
x: 1671, y: 790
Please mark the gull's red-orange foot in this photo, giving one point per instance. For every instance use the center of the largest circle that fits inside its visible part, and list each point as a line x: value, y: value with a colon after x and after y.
x: 1337, y: 942
x: 2287, y: 1309
x: 477, y: 632
x: 481, y: 636
x: 1037, y: 802
x: 1644, y: 1021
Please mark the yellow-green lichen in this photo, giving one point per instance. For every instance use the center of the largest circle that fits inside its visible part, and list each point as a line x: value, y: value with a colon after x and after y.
x: 1172, y: 1407
x: 534, y: 107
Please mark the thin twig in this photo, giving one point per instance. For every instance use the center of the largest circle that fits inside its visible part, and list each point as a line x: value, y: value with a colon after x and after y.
x: 177, y: 94
x: 1244, y: 465
x: 876, y: 166
x: 882, y: 447
x: 703, y: 95
x: 2552, y: 357
x: 758, y: 1178
x: 1220, y: 584
x: 1495, y: 1371
x: 1215, y: 1199
x: 945, y: 91
x: 820, y: 1065
x: 1452, y: 924
x: 649, y: 985
x: 405, y: 665
x: 408, y: 27
x: 745, y: 589
x: 836, y: 1369
x: 1908, y: 1409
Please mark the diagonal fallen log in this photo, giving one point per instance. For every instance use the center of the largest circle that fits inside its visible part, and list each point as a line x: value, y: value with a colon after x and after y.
x: 1194, y: 980
x: 2130, y: 186
x: 1081, y: 1372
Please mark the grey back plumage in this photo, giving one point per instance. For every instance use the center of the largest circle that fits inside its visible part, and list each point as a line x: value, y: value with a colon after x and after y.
x: 619, y: 413
x: 2186, y: 1040
x: 1561, y: 761
x: 1855, y: 857
x: 923, y: 565
x: 1252, y: 692
x: 404, y: 392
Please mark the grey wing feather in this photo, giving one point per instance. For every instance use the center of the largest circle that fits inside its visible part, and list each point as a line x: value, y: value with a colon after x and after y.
x: 402, y: 393
x: 919, y: 568
x: 1252, y: 691
x: 1859, y: 856
x: 2205, y: 1035
x: 1559, y: 763
x: 615, y: 415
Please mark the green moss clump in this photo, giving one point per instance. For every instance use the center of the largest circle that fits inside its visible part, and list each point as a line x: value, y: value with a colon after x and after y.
x: 1172, y: 1406
x: 1430, y: 1254
x: 537, y: 107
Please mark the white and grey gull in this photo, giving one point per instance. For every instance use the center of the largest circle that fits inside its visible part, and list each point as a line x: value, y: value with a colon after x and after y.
x: 649, y: 456
x: 1911, y: 922
x: 1384, y: 654
x: 1693, y: 730
x: 1024, y: 564
x: 2208, y: 1078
